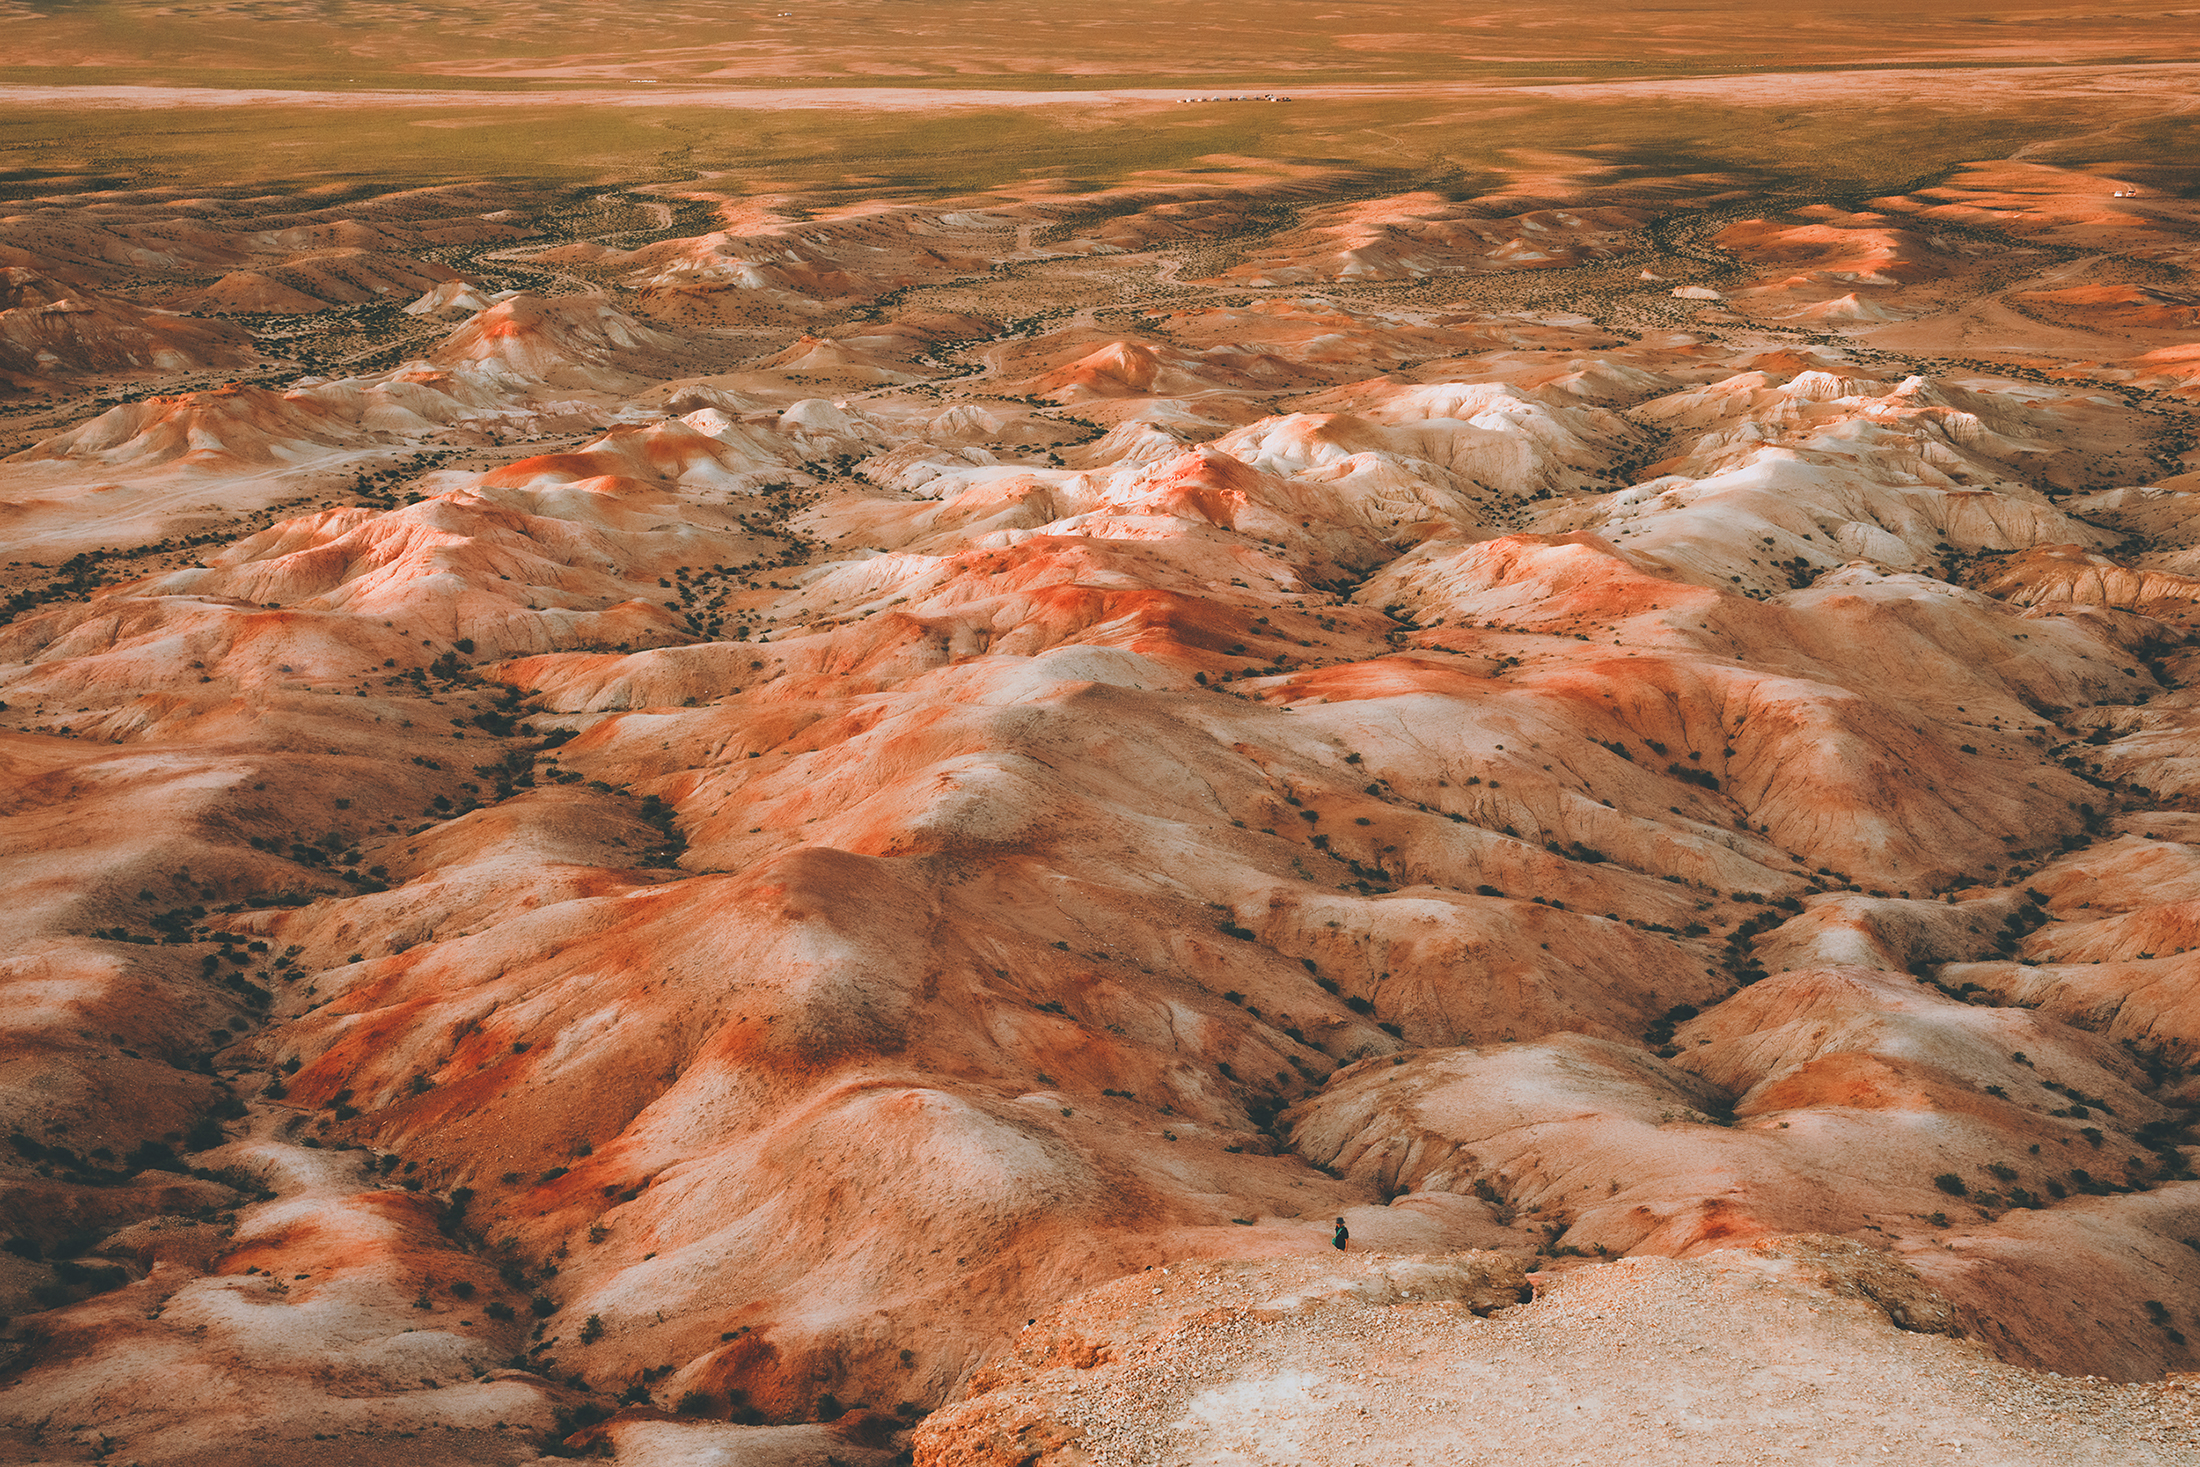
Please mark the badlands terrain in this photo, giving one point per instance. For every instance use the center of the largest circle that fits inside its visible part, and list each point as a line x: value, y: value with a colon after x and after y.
x: 740, y: 823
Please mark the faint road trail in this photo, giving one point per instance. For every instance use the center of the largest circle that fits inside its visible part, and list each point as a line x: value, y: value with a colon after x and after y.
x: 1880, y: 87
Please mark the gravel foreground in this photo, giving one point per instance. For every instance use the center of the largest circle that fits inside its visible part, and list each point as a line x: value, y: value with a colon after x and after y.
x: 1738, y: 1359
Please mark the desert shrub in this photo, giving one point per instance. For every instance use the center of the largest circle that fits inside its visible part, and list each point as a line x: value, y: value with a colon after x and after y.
x: 1951, y: 1184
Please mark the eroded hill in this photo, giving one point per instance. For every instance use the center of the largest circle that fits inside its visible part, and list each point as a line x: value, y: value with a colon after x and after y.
x: 714, y: 818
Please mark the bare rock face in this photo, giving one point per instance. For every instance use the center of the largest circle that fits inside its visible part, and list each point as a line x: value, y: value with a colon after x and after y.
x: 1852, y: 1270
x: 757, y: 833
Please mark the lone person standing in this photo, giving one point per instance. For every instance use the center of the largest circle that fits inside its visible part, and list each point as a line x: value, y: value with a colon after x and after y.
x: 1342, y: 1236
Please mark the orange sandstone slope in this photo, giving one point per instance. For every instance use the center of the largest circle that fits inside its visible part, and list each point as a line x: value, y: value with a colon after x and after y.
x: 735, y: 912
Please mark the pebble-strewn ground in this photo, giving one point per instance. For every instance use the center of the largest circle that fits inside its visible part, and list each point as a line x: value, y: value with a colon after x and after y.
x: 1729, y: 1360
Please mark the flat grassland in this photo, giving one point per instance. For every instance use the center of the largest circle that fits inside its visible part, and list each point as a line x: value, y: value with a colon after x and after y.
x: 854, y: 99
x: 995, y: 42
